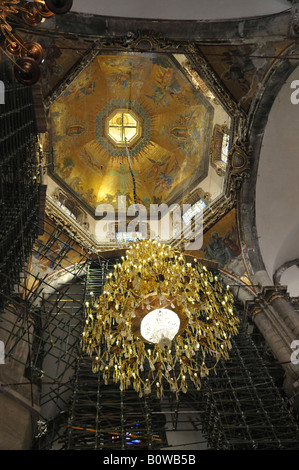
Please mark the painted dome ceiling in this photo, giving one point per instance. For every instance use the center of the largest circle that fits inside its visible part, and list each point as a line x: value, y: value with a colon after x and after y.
x: 147, y: 99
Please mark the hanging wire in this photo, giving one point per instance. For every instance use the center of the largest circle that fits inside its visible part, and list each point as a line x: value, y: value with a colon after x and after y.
x: 131, y: 171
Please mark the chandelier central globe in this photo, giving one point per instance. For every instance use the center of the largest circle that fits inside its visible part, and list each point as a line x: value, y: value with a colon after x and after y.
x: 160, y: 326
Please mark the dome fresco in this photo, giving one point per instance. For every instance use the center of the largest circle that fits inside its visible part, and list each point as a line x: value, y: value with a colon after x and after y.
x: 169, y: 156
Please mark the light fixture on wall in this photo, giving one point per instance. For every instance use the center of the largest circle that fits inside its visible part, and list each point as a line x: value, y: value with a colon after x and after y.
x: 157, y: 320
x: 28, y: 55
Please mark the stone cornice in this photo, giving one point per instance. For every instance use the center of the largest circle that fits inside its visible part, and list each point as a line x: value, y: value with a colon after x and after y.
x: 266, y: 296
x: 271, y: 27
x: 72, y: 227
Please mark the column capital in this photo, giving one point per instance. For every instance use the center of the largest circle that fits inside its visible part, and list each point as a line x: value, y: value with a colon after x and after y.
x: 267, y: 295
x: 270, y: 293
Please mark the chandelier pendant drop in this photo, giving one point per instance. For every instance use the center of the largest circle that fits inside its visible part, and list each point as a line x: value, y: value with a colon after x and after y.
x: 156, y: 321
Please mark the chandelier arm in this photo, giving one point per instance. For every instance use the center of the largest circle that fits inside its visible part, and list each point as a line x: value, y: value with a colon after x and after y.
x: 5, y: 28
x: 15, y: 20
x: 11, y: 10
x: 20, y: 8
x: 8, y: 56
x: 179, y: 387
x: 15, y: 38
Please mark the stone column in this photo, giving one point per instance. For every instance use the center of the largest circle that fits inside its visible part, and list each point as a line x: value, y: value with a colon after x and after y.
x: 278, y: 322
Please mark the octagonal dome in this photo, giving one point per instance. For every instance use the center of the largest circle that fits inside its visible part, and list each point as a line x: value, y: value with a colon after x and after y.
x: 169, y: 139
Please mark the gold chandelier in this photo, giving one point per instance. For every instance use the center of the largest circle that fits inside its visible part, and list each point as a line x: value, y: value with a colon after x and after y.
x: 157, y: 320
x: 29, y: 55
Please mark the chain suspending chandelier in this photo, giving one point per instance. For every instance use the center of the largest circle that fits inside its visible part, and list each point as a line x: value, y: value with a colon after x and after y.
x: 28, y: 55
x: 156, y: 321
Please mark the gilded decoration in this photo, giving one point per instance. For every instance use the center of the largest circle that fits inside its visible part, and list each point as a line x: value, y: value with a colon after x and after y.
x: 103, y: 125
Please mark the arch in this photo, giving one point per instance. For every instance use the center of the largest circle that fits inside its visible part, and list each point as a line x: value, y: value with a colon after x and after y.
x: 247, y: 197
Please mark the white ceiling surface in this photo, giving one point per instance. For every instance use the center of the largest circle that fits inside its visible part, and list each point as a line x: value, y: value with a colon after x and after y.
x: 182, y: 10
x: 277, y: 191
x: 290, y: 278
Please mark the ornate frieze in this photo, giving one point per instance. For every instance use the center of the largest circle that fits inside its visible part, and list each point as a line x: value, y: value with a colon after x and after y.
x: 70, y: 206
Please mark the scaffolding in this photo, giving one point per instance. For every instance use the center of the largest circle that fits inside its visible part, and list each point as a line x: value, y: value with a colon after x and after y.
x: 244, y: 409
x: 101, y: 416
x: 239, y: 408
x: 19, y: 189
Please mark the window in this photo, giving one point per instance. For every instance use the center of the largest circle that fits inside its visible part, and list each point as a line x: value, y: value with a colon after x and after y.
x: 123, y: 237
x: 219, y: 150
x: 195, y: 209
x: 224, y: 148
x: 66, y: 210
x: 123, y: 126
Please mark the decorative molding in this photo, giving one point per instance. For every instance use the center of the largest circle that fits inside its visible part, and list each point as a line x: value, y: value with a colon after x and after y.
x: 147, y: 41
x: 142, y: 41
x: 253, y: 132
x: 76, y: 231
x: 269, y: 86
x: 270, y: 293
x: 239, y: 166
x: 215, y: 211
x: 238, y: 169
x: 72, y: 205
x: 195, y: 195
x: 70, y: 225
